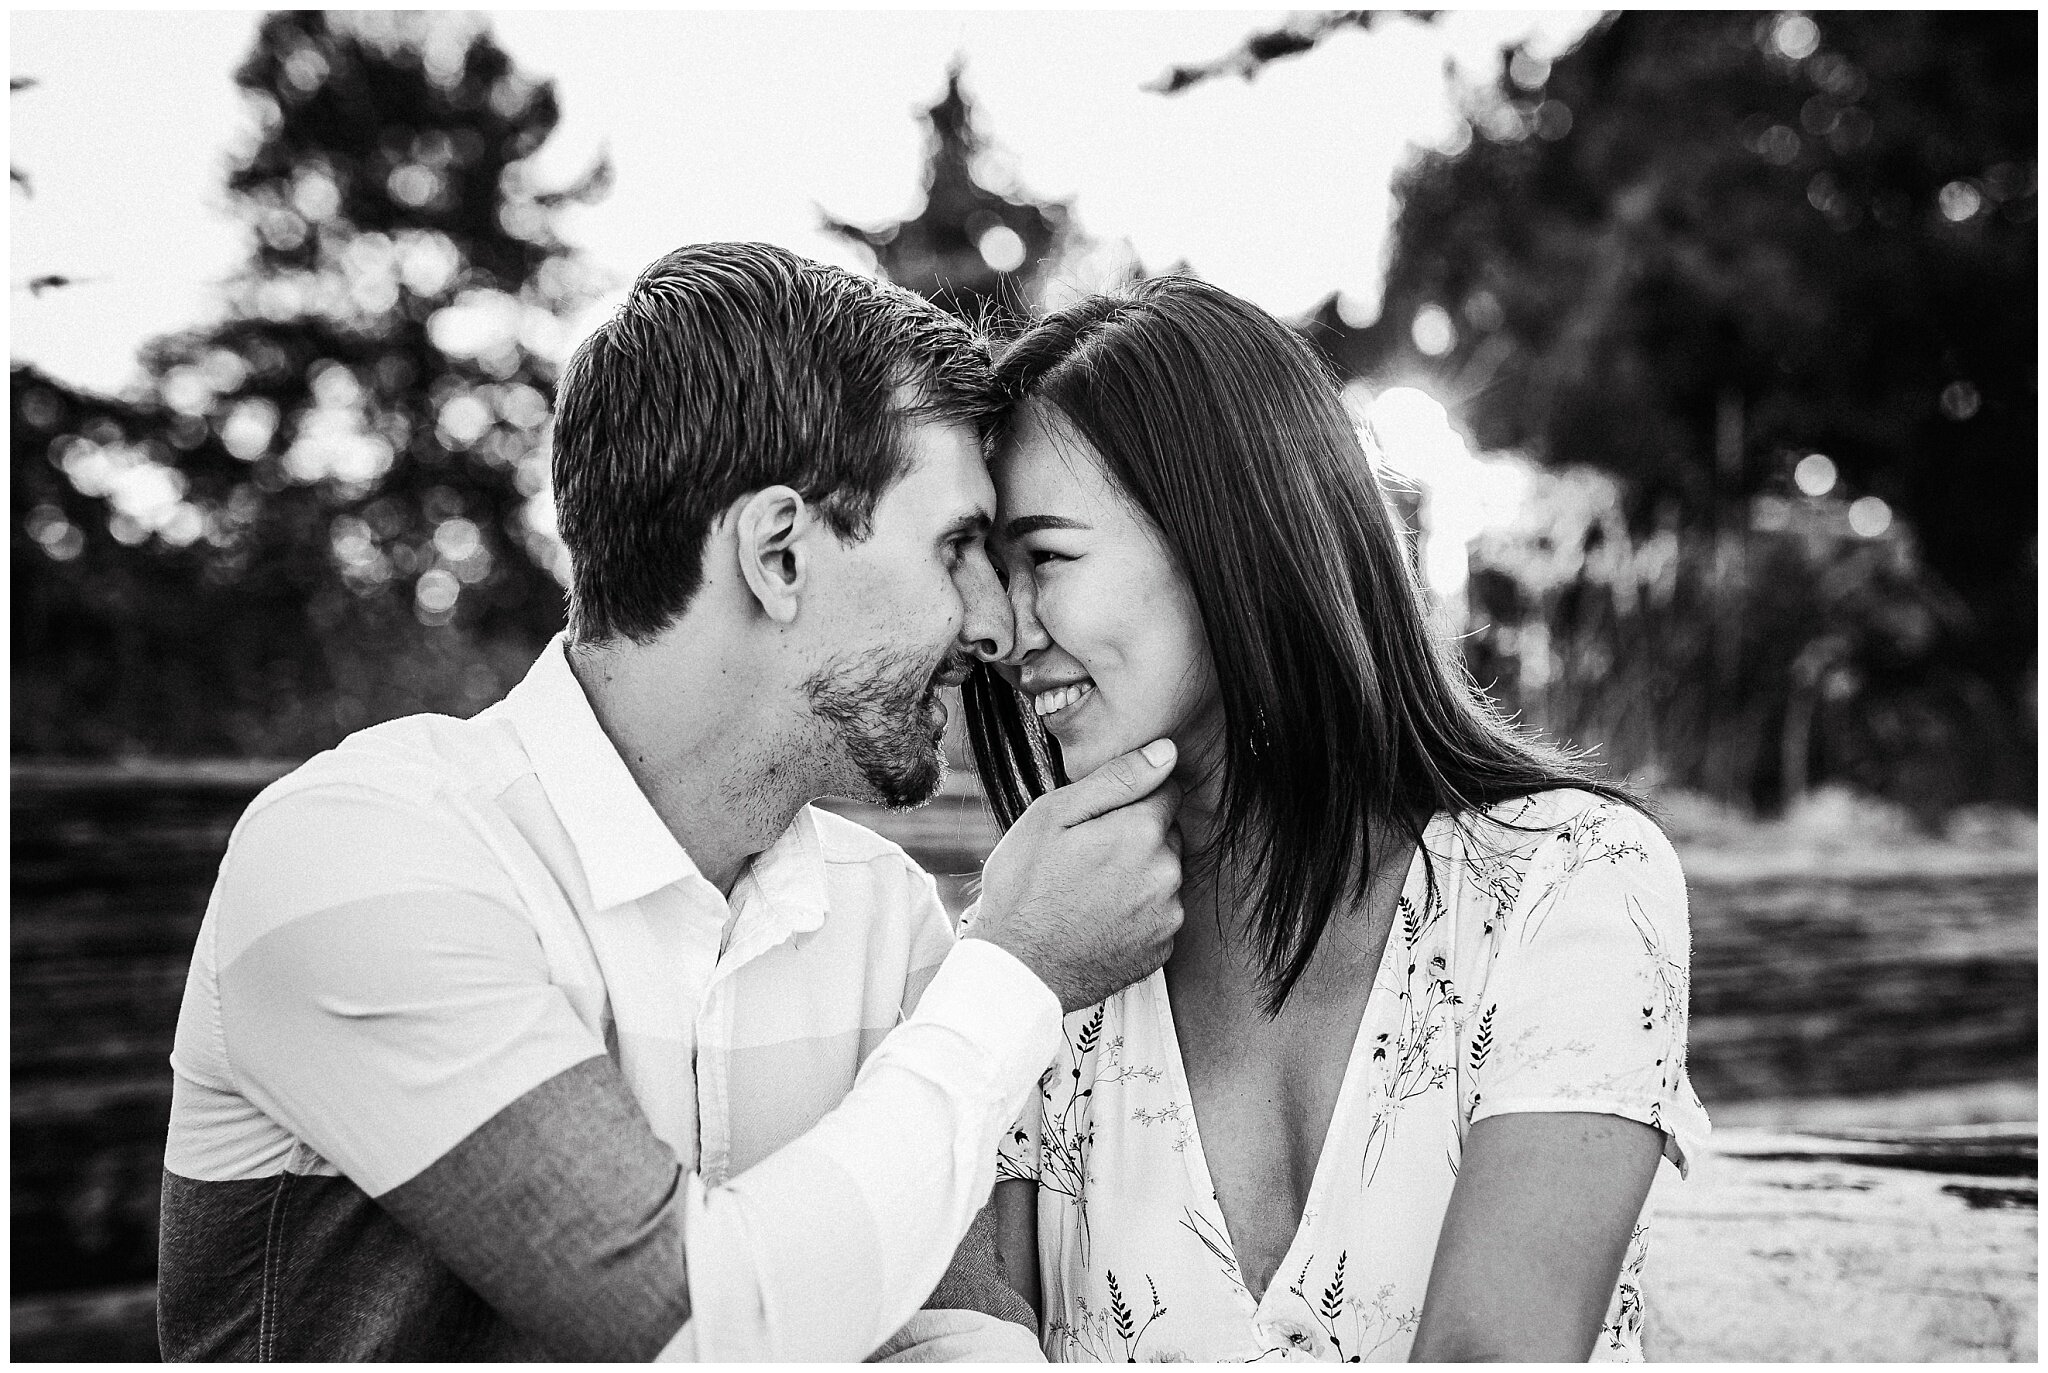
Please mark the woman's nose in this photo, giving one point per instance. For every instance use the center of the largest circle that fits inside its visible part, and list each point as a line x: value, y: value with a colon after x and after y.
x: 1029, y: 634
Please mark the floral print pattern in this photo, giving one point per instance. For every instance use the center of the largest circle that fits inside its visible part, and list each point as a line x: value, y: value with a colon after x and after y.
x: 1538, y: 961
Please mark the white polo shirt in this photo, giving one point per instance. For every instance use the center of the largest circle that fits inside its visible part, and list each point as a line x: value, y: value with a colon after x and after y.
x: 419, y: 927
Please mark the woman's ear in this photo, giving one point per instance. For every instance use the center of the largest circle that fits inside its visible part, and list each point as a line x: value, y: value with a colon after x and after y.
x: 769, y: 527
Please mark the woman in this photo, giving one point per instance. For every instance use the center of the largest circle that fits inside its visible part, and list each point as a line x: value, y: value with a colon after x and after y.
x: 1402, y: 1087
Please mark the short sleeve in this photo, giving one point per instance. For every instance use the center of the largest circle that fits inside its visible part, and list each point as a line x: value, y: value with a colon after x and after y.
x: 1585, y: 1008
x: 1017, y: 1150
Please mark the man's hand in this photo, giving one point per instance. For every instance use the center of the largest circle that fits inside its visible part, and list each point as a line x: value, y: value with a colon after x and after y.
x: 1085, y: 888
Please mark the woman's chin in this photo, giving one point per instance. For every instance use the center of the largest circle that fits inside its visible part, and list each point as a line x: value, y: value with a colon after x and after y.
x: 1079, y: 759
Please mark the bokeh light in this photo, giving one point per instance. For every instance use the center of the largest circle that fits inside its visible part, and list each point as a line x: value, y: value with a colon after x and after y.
x: 1959, y: 201
x: 1795, y: 36
x: 434, y: 596
x: 1815, y: 474
x: 1464, y: 495
x: 1433, y: 331
x: 1869, y: 516
x: 1001, y: 249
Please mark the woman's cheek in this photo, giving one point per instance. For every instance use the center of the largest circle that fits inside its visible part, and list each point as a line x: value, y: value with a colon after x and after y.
x: 1061, y: 611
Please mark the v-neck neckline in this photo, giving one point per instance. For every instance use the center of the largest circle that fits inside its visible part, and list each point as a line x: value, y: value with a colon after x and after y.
x: 1197, y: 1159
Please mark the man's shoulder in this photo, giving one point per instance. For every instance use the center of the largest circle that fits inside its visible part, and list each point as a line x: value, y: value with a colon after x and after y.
x: 415, y: 763
x: 391, y: 811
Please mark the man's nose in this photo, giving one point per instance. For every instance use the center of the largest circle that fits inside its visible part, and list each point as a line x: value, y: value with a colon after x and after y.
x: 987, y: 629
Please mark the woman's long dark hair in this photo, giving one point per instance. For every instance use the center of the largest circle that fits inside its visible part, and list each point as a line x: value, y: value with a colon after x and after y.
x: 1343, y: 713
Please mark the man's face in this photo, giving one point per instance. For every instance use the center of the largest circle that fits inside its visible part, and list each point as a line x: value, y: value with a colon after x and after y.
x: 906, y: 611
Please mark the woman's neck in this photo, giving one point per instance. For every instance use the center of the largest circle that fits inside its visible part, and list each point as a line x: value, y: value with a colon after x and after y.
x: 1215, y: 947
x: 1209, y: 896
x: 1200, y: 775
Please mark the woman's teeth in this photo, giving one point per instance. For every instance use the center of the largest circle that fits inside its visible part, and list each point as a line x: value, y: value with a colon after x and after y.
x: 1059, y: 698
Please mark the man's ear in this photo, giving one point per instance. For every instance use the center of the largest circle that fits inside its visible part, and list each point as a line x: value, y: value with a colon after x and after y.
x: 769, y: 527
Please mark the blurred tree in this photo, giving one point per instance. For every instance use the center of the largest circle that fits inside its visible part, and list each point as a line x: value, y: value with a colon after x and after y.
x: 16, y: 177
x: 1701, y: 246
x: 1302, y: 30
x: 976, y: 251
x: 1591, y: 631
x: 322, y: 512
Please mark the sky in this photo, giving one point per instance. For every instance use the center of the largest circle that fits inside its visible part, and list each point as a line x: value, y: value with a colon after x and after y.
x: 748, y: 125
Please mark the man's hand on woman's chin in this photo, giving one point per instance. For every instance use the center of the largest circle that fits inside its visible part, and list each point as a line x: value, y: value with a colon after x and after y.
x: 1085, y: 888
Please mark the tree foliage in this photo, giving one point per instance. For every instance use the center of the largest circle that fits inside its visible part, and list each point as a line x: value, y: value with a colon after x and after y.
x: 1301, y: 32
x: 321, y: 510
x: 1696, y: 249
x: 1703, y: 245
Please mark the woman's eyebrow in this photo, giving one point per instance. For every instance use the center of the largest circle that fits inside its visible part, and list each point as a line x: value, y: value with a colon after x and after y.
x: 1031, y: 524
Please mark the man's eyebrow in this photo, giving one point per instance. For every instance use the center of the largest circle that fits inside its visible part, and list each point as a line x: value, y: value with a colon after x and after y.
x: 1031, y: 524
x: 970, y: 523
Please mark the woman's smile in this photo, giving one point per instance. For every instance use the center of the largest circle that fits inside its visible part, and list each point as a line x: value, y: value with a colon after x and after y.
x: 1109, y: 646
x: 1056, y: 706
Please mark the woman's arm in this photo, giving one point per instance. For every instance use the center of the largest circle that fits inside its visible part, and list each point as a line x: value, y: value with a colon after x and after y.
x: 1539, y: 1222
x: 1016, y: 1208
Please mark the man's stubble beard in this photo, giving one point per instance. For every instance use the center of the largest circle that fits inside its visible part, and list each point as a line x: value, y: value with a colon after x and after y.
x: 883, y: 713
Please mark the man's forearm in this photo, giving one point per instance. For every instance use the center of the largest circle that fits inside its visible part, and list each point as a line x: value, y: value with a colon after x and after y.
x: 824, y: 1249
x: 568, y: 1216
x: 973, y: 1315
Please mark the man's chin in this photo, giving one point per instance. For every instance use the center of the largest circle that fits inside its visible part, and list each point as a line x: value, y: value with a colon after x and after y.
x: 899, y: 760
x: 901, y: 778
x: 912, y: 787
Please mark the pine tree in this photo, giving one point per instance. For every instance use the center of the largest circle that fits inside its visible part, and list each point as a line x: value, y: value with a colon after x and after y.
x: 975, y: 250
x: 322, y: 512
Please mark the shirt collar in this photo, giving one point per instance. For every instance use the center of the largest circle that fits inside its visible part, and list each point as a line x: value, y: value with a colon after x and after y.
x: 788, y: 878
x: 625, y: 849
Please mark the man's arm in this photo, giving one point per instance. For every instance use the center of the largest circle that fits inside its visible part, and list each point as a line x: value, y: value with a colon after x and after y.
x: 974, y: 1281
x: 1015, y: 1206
x: 567, y: 1215
x: 973, y: 1315
x: 415, y: 1039
x: 387, y: 1033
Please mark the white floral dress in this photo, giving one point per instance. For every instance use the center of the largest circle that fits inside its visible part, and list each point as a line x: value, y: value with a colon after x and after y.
x: 1546, y: 971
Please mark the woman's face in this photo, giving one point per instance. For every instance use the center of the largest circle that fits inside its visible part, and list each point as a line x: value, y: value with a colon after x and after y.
x: 1109, y: 646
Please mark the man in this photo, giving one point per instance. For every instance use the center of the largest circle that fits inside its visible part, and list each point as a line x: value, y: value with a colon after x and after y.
x: 572, y: 1030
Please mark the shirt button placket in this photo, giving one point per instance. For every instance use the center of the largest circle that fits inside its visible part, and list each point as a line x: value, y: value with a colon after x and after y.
x: 714, y: 1077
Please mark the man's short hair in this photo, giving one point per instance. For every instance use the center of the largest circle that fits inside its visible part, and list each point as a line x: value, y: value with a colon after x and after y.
x: 732, y: 367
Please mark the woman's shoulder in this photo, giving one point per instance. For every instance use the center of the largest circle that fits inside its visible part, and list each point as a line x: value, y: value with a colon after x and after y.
x: 1580, y: 826
x: 1551, y: 809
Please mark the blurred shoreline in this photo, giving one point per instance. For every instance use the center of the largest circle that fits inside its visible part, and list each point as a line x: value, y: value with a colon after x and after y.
x: 2013, y: 1101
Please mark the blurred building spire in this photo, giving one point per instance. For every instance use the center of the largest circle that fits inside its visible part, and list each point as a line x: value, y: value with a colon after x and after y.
x: 971, y: 248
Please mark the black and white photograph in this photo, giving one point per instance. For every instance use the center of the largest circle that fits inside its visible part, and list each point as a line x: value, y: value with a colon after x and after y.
x: 1017, y: 686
